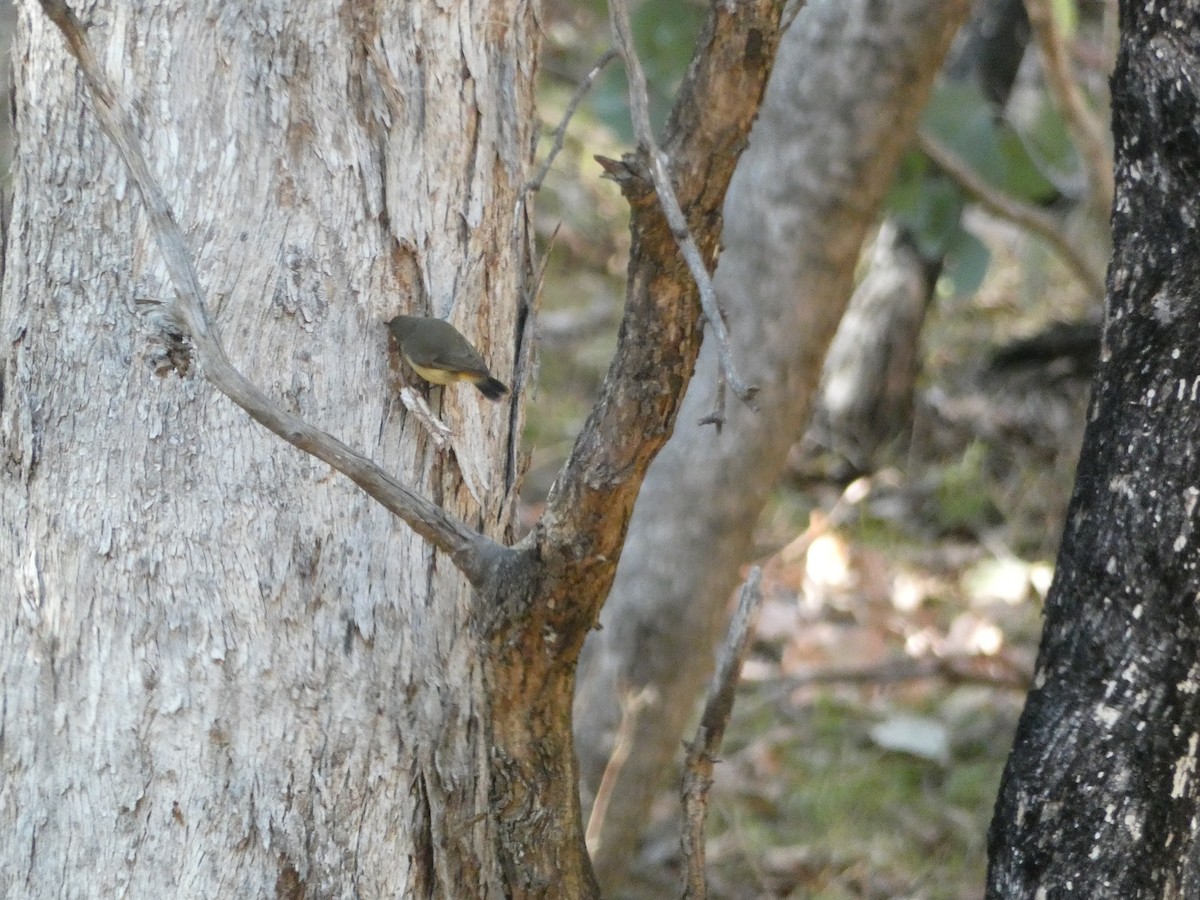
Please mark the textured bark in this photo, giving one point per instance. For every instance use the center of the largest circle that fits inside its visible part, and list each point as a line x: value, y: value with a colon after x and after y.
x: 548, y: 602
x: 843, y: 101
x: 1100, y: 795
x: 225, y: 671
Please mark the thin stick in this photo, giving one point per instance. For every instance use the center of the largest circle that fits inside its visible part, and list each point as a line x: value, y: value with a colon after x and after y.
x: 631, y: 708
x: 1086, y: 127
x: 470, y: 551
x: 702, y: 752
x: 560, y: 133
x: 958, y: 669
x: 640, y: 113
x: 1022, y: 214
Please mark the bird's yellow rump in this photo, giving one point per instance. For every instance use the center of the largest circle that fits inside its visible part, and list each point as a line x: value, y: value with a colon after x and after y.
x: 438, y: 352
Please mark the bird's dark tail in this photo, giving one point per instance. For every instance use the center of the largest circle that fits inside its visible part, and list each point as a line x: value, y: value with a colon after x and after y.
x: 491, y: 388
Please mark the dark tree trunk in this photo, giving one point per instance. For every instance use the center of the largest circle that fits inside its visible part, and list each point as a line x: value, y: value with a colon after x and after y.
x: 992, y: 47
x: 1099, y: 798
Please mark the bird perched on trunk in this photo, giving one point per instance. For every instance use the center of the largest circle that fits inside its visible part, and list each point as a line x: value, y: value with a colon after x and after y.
x: 439, y: 353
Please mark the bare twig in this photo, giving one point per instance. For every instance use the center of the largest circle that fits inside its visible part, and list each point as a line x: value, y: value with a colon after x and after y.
x: 632, y: 705
x: 717, y: 416
x: 640, y: 114
x: 471, y: 551
x: 702, y: 752
x: 560, y: 133
x: 1000, y: 204
x: 1086, y: 127
x: 442, y: 436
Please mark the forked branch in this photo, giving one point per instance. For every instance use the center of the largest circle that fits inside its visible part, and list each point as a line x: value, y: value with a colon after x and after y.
x: 583, y: 526
x: 1024, y: 215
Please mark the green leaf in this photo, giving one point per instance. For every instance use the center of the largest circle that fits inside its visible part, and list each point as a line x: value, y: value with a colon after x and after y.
x: 961, y: 118
x: 930, y: 208
x: 966, y: 263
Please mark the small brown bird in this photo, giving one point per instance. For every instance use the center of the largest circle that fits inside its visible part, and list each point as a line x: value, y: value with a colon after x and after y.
x: 440, y: 354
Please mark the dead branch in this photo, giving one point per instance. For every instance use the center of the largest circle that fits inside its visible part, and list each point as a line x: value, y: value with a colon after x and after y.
x: 560, y: 133
x: 1021, y: 214
x: 659, y: 170
x: 1085, y: 126
x: 471, y: 552
x: 583, y: 527
x: 991, y: 671
x: 702, y: 752
x: 632, y: 705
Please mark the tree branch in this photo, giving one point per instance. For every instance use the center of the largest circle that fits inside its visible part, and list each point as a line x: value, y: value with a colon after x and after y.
x: 639, y: 107
x: 1086, y: 127
x: 993, y: 671
x: 586, y: 514
x: 702, y: 752
x: 1023, y: 215
x: 632, y: 705
x: 473, y: 553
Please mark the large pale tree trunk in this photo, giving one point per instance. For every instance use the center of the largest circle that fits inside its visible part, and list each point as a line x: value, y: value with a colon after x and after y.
x: 1100, y: 797
x: 842, y: 104
x: 225, y: 671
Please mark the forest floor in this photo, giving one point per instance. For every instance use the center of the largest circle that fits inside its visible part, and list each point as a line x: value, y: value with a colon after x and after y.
x: 898, y: 634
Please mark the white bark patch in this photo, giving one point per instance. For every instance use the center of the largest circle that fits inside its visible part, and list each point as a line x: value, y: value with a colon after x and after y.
x: 1121, y: 485
x: 1189, y: 500
x: 1107, y: 715
x: 1185, y: 766
x: 1191, y: 682
x: 1133, y: 822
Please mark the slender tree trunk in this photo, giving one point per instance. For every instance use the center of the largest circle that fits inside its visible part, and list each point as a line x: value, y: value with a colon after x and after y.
x: 870, y: 372
x: 843, y: 100
x: 867, y: 386
x: 224, y: 670
x: 1100, y: 795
